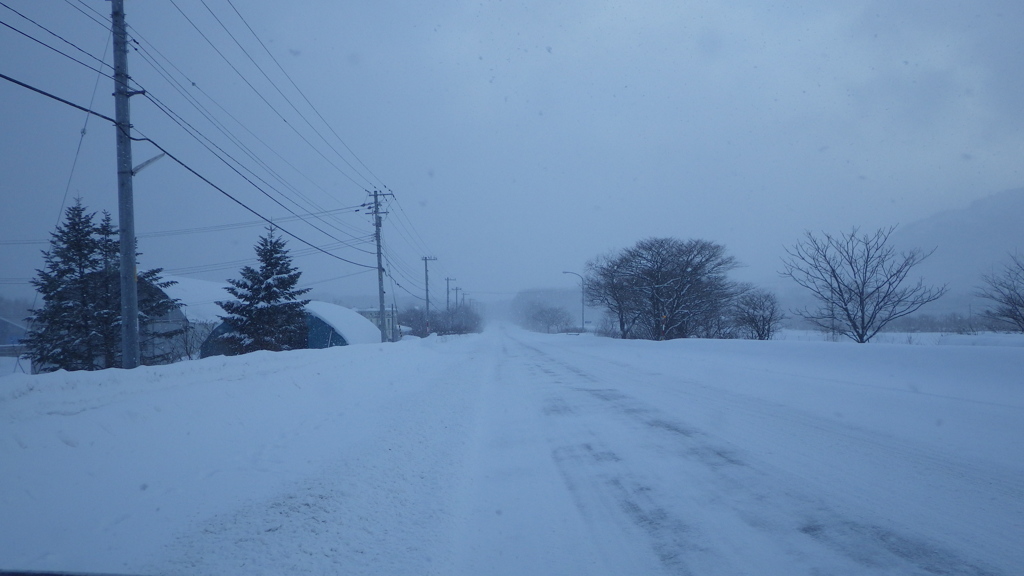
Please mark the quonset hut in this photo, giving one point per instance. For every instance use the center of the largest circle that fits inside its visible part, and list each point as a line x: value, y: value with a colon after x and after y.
x: 328, y: 325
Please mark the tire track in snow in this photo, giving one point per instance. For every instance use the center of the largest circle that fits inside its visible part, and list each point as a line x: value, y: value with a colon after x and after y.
x: 758, y: 504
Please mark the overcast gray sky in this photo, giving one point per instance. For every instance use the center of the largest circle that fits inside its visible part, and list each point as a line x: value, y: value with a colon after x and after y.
x: 520, y: 139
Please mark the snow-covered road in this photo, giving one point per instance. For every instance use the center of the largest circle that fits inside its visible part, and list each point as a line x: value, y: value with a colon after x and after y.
x: 658, y: 468
x: 518, y: 453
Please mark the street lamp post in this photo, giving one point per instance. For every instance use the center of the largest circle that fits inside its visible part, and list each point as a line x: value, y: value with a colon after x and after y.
x: 583, y: 301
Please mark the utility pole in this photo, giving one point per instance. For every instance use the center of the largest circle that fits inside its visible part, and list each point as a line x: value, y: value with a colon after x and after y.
x: 583, y: 301
x: 125, y: 201
x: 456, y: 296
x: 426, y: 280
x: 380, y: 265
x: 448, y: 294
x: 395, y: 331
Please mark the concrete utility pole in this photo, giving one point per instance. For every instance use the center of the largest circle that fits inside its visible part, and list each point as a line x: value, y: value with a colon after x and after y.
x: 448, y: 294
x: 380, y: 265
x: 426, y: 280
x: 456, y: 296
x: 125, y: 201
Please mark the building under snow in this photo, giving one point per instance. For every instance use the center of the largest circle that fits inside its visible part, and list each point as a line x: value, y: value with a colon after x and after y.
x: 328, y: 325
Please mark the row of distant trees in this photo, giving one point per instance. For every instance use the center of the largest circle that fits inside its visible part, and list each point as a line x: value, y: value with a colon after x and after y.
x: 665, y: 288
x: 658, y: 289
x: 460, y: 319
x: 533, y: 314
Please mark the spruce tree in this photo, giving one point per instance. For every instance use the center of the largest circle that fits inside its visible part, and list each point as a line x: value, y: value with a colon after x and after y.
x: 106, y: 291
x: 267, y: 314
x: 62, y: 333
x: 79, y: 325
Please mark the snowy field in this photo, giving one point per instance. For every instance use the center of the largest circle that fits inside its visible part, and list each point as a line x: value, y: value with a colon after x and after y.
x: 519, y: 453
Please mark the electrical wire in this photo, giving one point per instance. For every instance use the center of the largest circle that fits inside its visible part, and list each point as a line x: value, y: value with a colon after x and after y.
x: 342, y: 277
x: 261, y: 97
x: 169, y: 113
x: 404, y: 224
x: 243, y: 205
x: 230, y: 264
x: 101, y: 19
x: 81, y: 138
x: 55, y: 35
x: 301, y: 93
x: 58, y: 51
x: 279, y: 91
x: 166, y: 109
x: 208, y: 115
x: 221, y: 127
x: 183, y: 165
x: 199, y: 137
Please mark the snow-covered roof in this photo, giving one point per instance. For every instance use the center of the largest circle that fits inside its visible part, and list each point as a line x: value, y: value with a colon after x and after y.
x: 355, y: 328
x: 199, y: 298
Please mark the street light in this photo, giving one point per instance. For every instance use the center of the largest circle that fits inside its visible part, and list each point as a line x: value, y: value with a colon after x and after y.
x: 583, y: 301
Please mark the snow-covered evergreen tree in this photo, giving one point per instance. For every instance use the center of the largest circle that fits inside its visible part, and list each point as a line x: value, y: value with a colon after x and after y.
x: 106, y: 290
x: 79, y: 325
x: 62, y: 334
x: 267, y: 314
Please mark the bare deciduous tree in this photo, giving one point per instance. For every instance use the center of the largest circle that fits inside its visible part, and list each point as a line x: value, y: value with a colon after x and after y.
x: 188, y: 342
x: 664, y: 288
x: 1006, y: 291
x: 611, y: 285
x: 757, y: 313
x: 858, y: 280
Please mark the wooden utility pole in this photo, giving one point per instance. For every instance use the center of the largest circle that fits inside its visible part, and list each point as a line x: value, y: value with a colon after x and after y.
x: 380, y: 265
x: 125, y: 201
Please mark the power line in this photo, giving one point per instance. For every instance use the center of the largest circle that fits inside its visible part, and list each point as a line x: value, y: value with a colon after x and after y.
x: 301, y: 93
x: 194, y: 230
x: 99, y: 18
x: 214, y: 266
x: 223, y: 129
x: 183, y: 165
x: 163, y: 72
x: 236, y: 169
x: 55, y: 35
x: 64, y: 54
x: 279, y: 91
x: 261, y: 97
x: 198, y: 134
x: 243, y: 205
x: 81, y: 138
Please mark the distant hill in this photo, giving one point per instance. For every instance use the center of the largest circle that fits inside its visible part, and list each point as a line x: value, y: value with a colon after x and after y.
x: 969, y: 242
